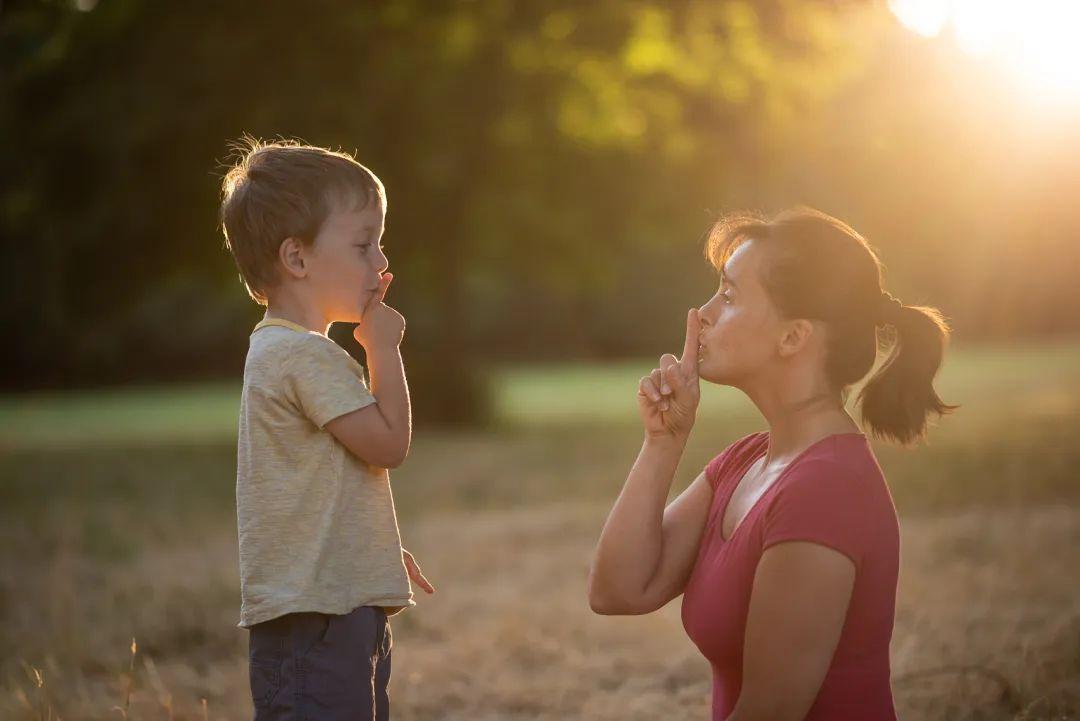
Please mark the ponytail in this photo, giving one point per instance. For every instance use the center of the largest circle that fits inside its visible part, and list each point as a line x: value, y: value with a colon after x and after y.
x: 900, y: 396
x: 807, y: 250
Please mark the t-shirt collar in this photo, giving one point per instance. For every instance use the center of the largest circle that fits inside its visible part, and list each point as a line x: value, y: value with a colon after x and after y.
x: 283, y: 323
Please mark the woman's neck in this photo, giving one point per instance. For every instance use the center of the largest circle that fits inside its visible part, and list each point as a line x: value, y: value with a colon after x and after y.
x: 800, y: 414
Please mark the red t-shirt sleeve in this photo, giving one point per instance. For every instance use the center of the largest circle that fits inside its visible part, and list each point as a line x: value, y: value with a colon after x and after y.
x: 820, y: 502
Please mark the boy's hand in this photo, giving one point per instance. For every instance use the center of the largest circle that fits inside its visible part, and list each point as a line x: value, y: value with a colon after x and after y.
x: 414, y: 572
x: 381, y: 326
x: 668, y: 397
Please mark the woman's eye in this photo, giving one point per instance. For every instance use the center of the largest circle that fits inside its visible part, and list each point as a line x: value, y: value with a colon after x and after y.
x: 726, y: 296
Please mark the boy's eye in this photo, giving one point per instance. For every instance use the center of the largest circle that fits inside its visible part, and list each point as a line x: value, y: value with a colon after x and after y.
x: 365, y: 247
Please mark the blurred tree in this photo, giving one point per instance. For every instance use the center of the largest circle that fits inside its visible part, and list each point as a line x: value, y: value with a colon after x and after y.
x: 550, y: 166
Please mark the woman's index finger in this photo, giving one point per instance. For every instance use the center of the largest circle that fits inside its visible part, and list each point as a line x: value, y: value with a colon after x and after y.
x: 689, y: 358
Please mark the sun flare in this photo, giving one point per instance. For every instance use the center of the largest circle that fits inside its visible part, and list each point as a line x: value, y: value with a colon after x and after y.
x: 1033, y: 40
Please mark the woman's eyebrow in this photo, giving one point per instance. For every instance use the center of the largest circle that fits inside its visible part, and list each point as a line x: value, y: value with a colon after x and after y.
x: 727, y: 279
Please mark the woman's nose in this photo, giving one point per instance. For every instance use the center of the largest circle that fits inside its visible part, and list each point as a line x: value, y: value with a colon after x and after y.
x: 705, y: 314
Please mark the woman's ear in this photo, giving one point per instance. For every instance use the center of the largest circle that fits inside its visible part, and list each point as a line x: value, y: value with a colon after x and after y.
x: 796, y: 334
x: 291, y: 254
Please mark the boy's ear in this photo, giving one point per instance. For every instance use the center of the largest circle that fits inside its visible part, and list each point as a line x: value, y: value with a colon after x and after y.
x: 795, y: 336
x: 291, y: 254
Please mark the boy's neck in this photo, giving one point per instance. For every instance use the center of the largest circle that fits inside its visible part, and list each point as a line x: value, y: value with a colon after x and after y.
x: 296, y: 312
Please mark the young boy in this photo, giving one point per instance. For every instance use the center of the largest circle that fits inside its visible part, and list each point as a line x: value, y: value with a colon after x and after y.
x: 321, y: 562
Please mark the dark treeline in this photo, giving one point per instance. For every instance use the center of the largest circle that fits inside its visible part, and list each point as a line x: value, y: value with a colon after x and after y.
x: 551, y: 167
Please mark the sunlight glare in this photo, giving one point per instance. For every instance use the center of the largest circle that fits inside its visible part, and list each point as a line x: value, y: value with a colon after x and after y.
x: 1032, y: 40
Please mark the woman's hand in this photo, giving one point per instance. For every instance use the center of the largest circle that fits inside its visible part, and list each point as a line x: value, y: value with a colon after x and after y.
x: 668, y: 397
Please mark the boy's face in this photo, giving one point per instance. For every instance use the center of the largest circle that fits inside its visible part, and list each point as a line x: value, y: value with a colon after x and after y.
x: 346, y: 260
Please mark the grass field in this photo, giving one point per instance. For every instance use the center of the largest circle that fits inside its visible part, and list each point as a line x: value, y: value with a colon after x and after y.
x: 117, y: 521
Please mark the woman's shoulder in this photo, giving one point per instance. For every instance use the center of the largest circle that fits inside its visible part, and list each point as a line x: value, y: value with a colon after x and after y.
x: 841, y: 473
x: 734, y: 455
x: 846, y: 459
x: 836, y: 496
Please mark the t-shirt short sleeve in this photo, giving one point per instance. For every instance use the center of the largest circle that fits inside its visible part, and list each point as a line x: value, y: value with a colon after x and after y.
x: 324, y: 381
x: 820, y: 502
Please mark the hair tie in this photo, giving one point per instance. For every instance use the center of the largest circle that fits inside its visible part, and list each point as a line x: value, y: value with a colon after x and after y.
x: 888, y: 309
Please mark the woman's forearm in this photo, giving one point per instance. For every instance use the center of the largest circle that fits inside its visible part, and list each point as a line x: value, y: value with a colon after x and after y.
x: 631, y: 542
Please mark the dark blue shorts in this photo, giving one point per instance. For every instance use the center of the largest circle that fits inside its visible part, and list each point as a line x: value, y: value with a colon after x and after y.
x: 321, y: 667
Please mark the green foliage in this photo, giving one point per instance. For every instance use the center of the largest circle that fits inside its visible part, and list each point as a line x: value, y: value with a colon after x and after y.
x: 550, y: 165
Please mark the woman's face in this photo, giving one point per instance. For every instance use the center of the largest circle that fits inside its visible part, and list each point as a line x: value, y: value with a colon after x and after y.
x: 739, y: 325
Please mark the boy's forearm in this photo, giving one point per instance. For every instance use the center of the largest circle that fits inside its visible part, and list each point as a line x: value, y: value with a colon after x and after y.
x: 391, y: 390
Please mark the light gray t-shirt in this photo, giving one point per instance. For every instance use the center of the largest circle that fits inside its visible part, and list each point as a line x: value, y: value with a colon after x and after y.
x: 316, y: 524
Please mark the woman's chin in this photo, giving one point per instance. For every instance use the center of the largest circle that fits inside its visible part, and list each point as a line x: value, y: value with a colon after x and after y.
x: 716, y: 376
x: 709, y: 375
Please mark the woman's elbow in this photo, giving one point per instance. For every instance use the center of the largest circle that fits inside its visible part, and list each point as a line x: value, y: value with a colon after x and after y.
x: 611, y: 607
x: 599, y: 601
x: 601, y: 604
x: 605, y: 603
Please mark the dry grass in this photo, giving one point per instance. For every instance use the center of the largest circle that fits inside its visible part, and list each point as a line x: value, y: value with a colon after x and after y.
x: 988, y: 627
x: 100, y: 544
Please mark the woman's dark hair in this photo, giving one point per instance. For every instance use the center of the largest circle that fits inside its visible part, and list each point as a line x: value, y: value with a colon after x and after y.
x: 818, y: 267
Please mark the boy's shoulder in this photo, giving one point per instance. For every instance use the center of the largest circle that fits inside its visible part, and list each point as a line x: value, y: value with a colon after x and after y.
x: 275, y: 335
x: 304, y: 371
x: 276, y: 349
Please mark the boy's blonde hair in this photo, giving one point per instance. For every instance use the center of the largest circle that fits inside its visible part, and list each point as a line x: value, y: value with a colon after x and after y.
x: 284, y: 189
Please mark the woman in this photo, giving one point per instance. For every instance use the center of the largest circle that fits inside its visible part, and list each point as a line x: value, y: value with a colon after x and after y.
x: 786, y: 547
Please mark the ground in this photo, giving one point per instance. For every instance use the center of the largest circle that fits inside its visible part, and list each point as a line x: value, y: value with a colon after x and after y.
x: 116, y: 522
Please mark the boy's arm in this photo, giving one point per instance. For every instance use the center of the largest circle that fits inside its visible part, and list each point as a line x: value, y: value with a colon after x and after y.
x: 380, y: 433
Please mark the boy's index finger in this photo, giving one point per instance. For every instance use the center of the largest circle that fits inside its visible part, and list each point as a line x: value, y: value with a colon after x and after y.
x: 689, y: 360
x: 384, y: 285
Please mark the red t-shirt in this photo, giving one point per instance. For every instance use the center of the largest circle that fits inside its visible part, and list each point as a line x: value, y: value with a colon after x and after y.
x: 834, y: 494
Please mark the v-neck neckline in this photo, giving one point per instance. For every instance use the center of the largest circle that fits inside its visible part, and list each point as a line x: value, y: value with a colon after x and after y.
x: 776, y: 482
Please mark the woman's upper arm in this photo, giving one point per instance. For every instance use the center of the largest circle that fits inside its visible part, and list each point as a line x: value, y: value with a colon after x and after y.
x: 798, y: 604
x: 684, y: 521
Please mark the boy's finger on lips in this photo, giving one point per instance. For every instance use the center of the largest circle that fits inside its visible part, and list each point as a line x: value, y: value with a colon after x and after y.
x: 384, y: 284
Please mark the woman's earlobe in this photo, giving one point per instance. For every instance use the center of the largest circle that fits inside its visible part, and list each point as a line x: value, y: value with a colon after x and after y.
x: 797, y: 334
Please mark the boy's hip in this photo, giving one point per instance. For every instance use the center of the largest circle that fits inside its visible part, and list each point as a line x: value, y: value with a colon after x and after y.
x: 321, y: 666
x: 264, y: 599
